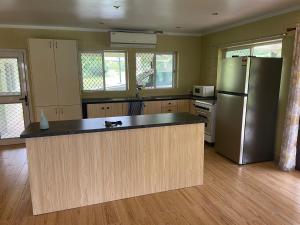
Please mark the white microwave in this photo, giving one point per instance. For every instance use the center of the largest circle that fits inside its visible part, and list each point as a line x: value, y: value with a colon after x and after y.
x: 204, y: 91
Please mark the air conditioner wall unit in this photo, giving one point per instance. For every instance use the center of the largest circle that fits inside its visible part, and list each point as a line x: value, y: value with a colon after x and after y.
x: 132, y: 40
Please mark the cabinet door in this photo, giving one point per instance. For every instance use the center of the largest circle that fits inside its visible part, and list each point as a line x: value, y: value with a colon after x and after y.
x: 125, y: 109
x: 66, y: 63
x: 43, y: 75
x: 70, y: 112
x: 113, y: 109
x: 193, y: 109
x: 51, y: 112
x: 152, y: 107
x: 183, y: 105
x: 95, y: 110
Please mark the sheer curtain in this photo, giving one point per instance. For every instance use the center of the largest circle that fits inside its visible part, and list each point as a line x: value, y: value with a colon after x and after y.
x: 290, y: 133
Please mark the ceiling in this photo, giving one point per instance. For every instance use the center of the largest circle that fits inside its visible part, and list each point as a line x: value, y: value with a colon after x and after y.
x: 173, y: 16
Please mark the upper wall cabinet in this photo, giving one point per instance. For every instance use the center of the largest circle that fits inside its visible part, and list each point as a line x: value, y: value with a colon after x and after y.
x: 43, y: 76
x: 54, y: 72
x: 66, y: 61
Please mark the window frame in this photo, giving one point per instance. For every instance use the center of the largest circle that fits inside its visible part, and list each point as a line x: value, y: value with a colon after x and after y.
x: 251, y: 46
x: 104, y: 72
x: 174, y: 68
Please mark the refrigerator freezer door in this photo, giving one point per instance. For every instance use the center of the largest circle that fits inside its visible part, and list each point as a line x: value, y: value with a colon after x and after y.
x: 230, y: 121
x: 235, y: 75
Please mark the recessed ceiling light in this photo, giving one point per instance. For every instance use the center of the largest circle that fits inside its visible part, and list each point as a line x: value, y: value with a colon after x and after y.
x: 117, y: 6
x: 215, y: 14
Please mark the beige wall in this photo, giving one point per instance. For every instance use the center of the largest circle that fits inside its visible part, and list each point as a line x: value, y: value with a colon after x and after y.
x: 212, y: 43
x: 188, y: 49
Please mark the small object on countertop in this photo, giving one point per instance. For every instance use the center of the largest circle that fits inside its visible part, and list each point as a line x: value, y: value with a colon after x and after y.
x: 113, y: 124
x: 44, y: 125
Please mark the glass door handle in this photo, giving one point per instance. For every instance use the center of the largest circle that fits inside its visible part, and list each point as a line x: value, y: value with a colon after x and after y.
x: 25, y: 99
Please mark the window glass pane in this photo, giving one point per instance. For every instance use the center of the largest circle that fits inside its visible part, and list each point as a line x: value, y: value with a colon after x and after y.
x: 115, y: 71
x: 92, y: 71
x: 9, y: 77
x: 238, y: 53
x: 145, y: 69
x: 164, y: 70
x: 11, y: 120
x: 268, y: 50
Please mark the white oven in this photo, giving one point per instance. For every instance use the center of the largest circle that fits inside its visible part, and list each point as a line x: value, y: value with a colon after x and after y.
x: 206, y: 109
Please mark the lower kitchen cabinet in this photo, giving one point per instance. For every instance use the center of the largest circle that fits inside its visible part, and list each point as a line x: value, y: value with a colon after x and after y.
x: 51, y: 112
x: 152, y: 107
x: 169, y: 109
x: 169, y: 103
x: 55, y: 113
x: 70, y: 112
x: 105, y: 110
x: 193, y: 109
x: 125, y: 109
x: 113, y: 109
x: 183, y: 105
x: 96, y: 110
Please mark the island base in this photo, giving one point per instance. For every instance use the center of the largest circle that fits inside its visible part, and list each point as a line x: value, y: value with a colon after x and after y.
x: 71, y: 171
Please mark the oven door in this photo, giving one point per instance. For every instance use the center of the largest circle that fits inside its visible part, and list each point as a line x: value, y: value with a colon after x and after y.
x: 206, y: 121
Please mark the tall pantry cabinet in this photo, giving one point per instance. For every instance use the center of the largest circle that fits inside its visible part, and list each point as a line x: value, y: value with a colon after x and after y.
x: 54, y: 78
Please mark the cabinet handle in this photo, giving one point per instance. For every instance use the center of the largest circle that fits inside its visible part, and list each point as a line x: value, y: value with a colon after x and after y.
x: 50, y: 45
x: 107, y: 107
x: 56, y: 111
x: 169, y: 110
x: 56, y: 44
x: 102, y: 108
x: 169, y: 103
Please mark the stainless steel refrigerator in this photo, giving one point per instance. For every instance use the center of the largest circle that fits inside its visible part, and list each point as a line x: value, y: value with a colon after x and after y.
x: 248, y: 92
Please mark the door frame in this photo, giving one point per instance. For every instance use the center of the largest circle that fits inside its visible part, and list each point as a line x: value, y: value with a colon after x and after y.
x: 27, y: 90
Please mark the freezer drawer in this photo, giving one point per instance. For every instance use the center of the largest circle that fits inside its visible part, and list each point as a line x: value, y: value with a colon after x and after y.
x: 235, y: 75
x: 230, y: 123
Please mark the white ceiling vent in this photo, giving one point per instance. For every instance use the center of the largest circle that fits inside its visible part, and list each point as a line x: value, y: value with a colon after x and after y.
x: 132, y: 40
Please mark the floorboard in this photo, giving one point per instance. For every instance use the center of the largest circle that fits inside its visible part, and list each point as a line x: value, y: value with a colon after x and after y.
x: 257, y: 194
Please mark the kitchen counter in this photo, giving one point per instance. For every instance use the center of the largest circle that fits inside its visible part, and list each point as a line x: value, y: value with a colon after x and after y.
x: 82, y: 162
x: 149, y: 98
x: 98, y: 124
x: 88, y: 101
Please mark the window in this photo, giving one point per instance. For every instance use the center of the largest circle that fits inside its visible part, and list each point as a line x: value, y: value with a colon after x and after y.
x: 238, y: 52
x: 156, y: 70
x: 270, y: 49
x: 103, y: 71
x: 9, y: 76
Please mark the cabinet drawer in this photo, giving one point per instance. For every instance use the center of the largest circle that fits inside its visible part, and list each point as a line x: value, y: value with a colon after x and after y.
x: 169, y: 103
x: 169, y: 109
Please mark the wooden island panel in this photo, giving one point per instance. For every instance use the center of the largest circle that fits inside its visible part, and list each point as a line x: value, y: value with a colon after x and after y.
x: 71, y: 171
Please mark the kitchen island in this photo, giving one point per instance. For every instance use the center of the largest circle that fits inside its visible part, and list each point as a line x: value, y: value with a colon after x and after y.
x: 83, y: 162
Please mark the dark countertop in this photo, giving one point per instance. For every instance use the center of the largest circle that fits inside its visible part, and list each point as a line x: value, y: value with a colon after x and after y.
x: 98, y: 124
x: 150, y: 98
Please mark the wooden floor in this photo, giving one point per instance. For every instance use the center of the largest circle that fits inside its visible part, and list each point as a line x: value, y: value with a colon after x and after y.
x: 253, y: 194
